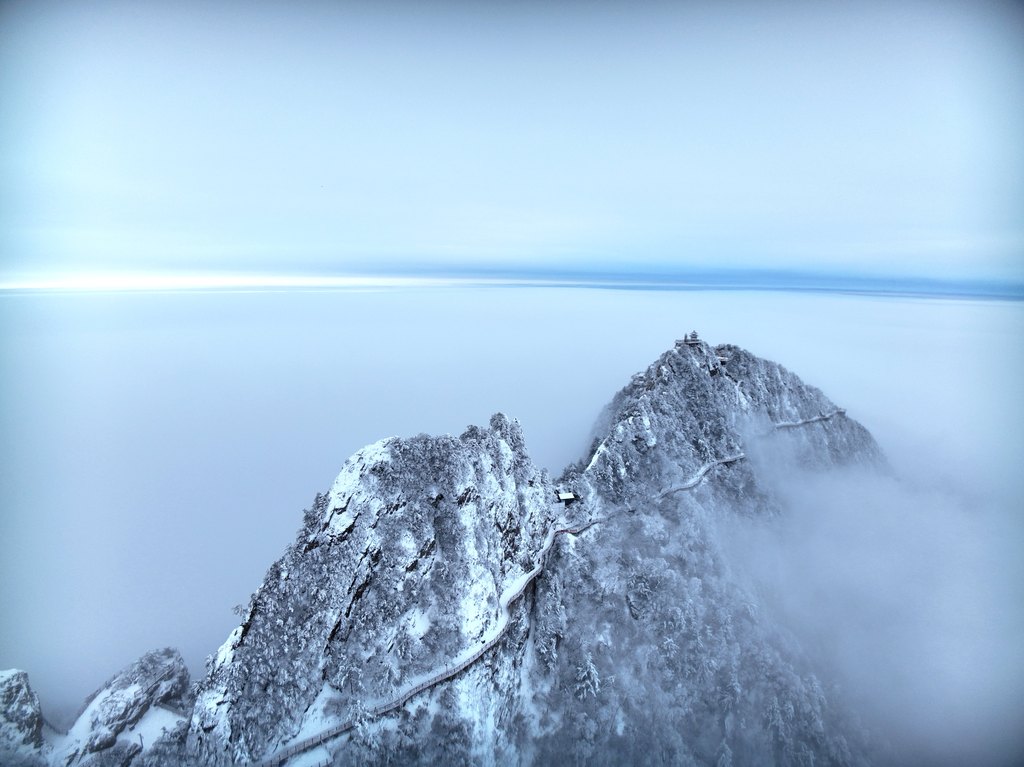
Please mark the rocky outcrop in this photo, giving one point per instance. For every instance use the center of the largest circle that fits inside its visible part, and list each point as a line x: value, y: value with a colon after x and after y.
x: 106, y: 732
x: 21, y: 721
x: 696, y: 404
x: 643, y: 634
x: 102, y: 734
x: 396, y: 569
x: 609, y: 631
x: 641, y: 647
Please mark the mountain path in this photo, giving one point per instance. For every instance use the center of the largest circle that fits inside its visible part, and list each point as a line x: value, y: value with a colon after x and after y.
x: 511, y: 593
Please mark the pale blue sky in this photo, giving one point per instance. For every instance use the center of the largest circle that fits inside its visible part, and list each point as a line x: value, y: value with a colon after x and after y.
x: 313, y: 138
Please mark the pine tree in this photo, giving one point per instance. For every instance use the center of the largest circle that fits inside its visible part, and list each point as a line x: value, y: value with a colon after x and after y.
x: 588, y: 682
x: 724, y: 756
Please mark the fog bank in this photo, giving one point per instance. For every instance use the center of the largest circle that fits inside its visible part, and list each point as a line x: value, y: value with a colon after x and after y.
x: 157, y: 449
x: 908, y: 598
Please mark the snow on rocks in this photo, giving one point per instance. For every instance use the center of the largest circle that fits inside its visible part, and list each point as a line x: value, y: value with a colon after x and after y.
x: 21, y: 721
x: 394, y: 571
x: 132, y: 710
x: 428, y: 552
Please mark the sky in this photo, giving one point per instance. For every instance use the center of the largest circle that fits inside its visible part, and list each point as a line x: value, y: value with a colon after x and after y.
x: 322, y: 139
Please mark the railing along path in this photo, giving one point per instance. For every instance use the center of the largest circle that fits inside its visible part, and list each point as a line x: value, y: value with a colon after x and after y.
x: 805, y: 421
x: 515, y: 591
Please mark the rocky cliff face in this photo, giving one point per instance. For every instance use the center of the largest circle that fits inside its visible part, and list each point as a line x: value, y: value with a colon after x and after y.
x: 21, y: 721
x: 396, y: 569
x: 645, y: 635
x: 619, y: 633
x: 697, y: 404
x: 105, y: 732
x: 142, y: 701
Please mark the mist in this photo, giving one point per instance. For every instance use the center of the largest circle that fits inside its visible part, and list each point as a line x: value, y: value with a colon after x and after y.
x: 158, y: 449
x: 907, y: 596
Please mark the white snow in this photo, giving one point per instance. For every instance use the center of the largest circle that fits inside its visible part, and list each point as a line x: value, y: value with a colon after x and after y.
x: 474, y: 600
x: 315, y: 723
x: 408, y: 543
x: 597, y: 454
x: 347, y: 483
x: 227, y: 650
x: 805, y: 421
x: 508, y: 458
x: 152, y: 725
x: 315, y: 757
x: 701, y: 472
x: 65, y: 746
x: 215, y: 707
x: 419, y: 623
x: 342, y: 523
x: 316, y: 719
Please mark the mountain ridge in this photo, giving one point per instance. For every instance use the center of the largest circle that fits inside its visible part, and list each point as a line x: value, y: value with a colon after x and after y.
x: 414, y: 557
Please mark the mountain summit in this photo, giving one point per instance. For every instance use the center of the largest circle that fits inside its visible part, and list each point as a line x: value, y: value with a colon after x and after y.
x: 443, y: 603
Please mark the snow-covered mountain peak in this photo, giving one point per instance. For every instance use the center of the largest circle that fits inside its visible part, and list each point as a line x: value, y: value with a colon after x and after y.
x: 21, y: 721
x: 130, y: 712
x: 396, y: 569
x: 439, y: 604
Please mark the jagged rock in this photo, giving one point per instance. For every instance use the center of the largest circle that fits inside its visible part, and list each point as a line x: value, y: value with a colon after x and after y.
x: 396, y: 569
x: 637, y: 647
x: 100, y: 735
x: 620, y: 634
x: 21, y: 721
x: 648, y: 604
x: 690, y: 408
x: 642, y: 649
x: 119, y: 754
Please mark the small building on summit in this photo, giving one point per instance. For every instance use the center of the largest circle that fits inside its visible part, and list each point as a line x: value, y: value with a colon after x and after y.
x: 691, y: 339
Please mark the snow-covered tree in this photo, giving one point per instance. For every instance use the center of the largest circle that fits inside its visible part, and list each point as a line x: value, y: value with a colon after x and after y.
x: 588, y: 681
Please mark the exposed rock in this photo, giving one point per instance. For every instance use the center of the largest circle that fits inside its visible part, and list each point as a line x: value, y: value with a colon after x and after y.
x: 649, y: 648
x: 158, y: 677
x: 640, y: 646
x: 21, y: 721
x: 689, y: 408
x: 120, y: 754
x: 622, y: 635
x: 396, y: 569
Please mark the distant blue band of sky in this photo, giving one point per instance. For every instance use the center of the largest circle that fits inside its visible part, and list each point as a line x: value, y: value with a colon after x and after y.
x: 510, y: 277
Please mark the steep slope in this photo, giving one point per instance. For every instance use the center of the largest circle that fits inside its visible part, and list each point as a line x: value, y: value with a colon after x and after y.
x: 697, y: 404
x: 395, y: 571
x: 21, y: 721
x: 438, y: 605
x: 639, y: 646
x: 666, y: 658
x: 131, y: 711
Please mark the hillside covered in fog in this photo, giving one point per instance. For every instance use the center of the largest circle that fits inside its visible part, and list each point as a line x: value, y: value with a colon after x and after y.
x: 440, y: 605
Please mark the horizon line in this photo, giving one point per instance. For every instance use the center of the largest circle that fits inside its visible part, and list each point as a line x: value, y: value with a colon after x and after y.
x: 681, y: 280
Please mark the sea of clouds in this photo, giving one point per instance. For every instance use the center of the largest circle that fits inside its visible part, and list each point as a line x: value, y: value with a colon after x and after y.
x: 158, y: 450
